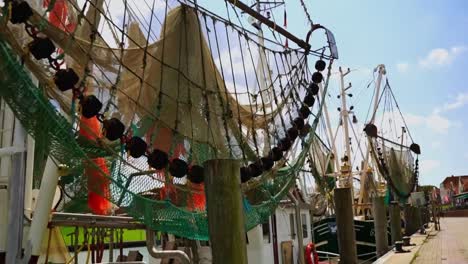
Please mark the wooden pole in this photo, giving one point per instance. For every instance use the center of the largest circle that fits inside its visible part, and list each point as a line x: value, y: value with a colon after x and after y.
x: 225, y: 211
x: 345, y: 225
x: 395, y: 222
x: 380, y: 225
x: 408, y: 219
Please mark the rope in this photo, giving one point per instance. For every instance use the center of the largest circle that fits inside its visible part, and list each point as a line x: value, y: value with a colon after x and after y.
x: 306, y: 12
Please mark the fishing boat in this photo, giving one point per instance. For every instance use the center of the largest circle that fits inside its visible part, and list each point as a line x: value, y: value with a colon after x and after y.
x: 122, y: 111
x: 112, y: 110
x: 384, y: 167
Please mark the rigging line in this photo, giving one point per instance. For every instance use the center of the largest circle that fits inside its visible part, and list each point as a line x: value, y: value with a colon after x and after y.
x: 152, y: 8
x: 141, y: 47
x: 114, y: 33
x: 373, y: 95
x: 393, y: 142
x: 119, y: 72
x: 399, y: 110
x: 306, y: 11
x: 204, y: 93
x: 224, y: 109
x: 274, y: 33
x: 244, y: 30
x: 282, y: 91
x: 263, y: 66
x: 241, y: 138
x: 273, y: 93
x: 145, y: 60
x: 294, y: 91
x: 275, y: 97
x: 254, y: 137
x: 152, y: 56
x: 176, y: 121
x: 394, y: 119
x: 358, y: 145
x: 140, y: 21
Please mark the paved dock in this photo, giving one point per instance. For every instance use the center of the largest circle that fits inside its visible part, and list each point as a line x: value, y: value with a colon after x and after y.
x: 448, y: 246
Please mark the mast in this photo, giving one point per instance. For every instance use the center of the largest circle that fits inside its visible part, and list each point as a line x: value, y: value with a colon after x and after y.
x: 344, y: 118
x: 381, y: 71
x: 329, y: 129
x: 366, y: 169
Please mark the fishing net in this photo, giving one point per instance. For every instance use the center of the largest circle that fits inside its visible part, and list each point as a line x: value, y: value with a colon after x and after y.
x: 177, y: 95
x: 397, y: 166
x: 394, y: 161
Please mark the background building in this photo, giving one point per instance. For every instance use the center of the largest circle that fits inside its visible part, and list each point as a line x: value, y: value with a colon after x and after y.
x: 453, y: 185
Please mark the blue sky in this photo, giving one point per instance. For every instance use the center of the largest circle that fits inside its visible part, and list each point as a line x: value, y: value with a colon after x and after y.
x: 425, y: 49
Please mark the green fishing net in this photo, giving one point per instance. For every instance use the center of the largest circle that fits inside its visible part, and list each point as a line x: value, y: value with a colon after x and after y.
x: 55, y: 135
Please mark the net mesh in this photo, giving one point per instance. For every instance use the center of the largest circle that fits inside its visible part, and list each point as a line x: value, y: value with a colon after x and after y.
x: 178, y: 96
x: 396, y: 164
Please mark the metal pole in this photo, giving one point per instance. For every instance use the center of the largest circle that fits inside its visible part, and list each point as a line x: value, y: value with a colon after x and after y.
x: 155, y: 253
x: 29, y: 176
x: 345, y: 226
x: 5, y: 169
x: 16, y: 193
x: 16, y: 206
x: 42, y: 211
x: 225, y: 211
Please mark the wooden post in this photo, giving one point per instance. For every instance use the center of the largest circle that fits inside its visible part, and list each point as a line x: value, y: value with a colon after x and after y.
x: 418, y: 217
x: 395, y: 222
x: 345, y: 226
x: 409, y: 220
x: 225, y: 211
x: 380, y: 225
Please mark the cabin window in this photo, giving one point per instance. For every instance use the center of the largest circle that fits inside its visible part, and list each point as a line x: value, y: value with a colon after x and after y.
x: 266, y: 232
x: 305, y: 232
x: 292, y: 226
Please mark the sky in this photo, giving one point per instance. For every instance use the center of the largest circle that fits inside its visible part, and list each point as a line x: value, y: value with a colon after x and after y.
x: 425, y: 50
x: 424, y: 47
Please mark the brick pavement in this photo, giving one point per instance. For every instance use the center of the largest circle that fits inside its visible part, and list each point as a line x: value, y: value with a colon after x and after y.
x: 448, y: 246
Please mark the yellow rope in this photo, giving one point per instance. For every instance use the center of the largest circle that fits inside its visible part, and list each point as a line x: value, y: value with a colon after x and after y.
x: 79, y: 250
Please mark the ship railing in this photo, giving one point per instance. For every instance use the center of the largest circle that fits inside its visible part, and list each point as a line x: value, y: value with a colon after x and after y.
x: 328, y: 256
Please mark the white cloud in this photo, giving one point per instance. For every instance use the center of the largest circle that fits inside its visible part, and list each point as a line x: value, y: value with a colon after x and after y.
x: 428, y: 165
x: 460, y: 101
x: 402, y: 67
x: 441, y: 56
x: 434, y: 122
x: 438, y: 123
